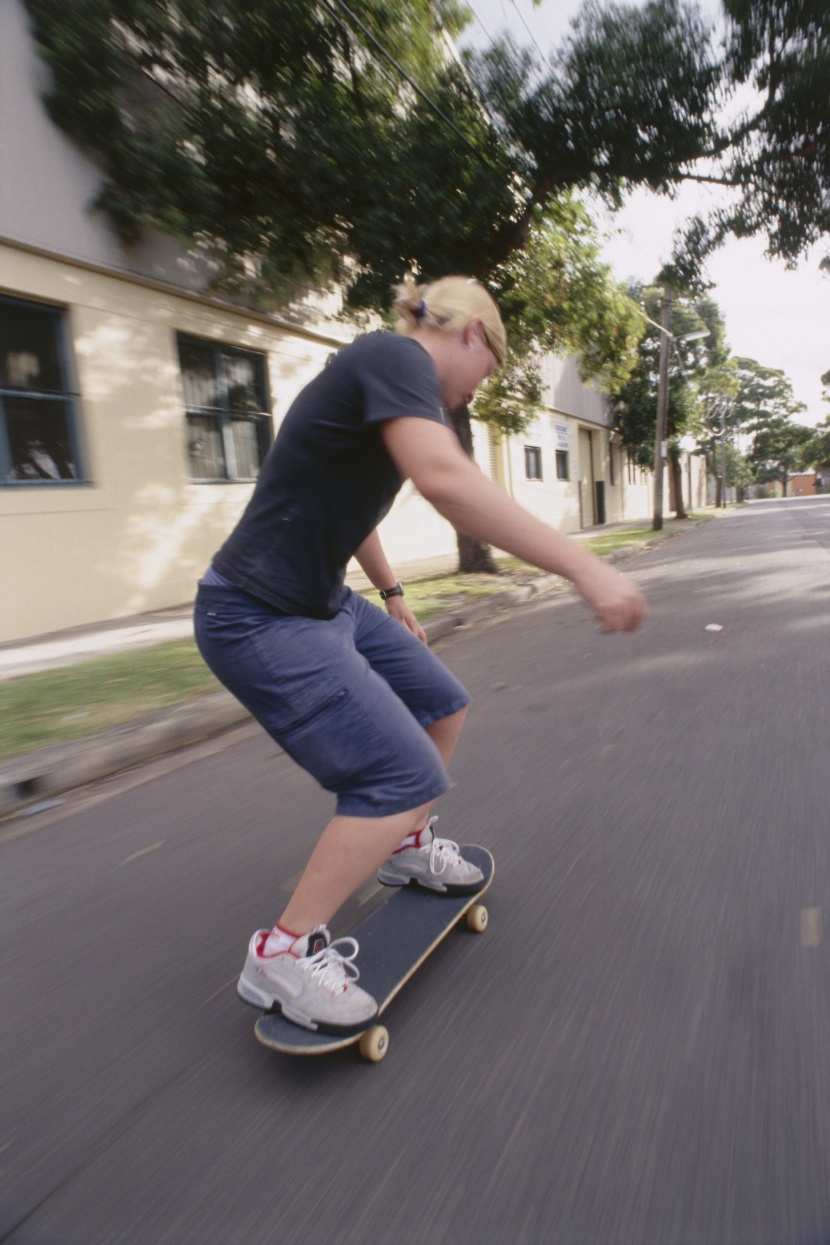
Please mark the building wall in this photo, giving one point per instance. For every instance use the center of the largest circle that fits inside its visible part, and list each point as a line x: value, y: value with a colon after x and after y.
x: 594, y: 456
x: 136, y: 534
x: 803, y: 485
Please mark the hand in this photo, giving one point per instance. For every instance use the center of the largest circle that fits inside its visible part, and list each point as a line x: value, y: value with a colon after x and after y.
x: 398, y: 608
x: 617, y: 602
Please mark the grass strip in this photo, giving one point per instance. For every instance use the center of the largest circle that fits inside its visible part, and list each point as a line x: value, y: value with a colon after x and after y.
x: 57, y: 706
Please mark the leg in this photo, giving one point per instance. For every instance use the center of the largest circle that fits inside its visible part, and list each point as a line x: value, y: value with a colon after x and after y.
x: 351, y: 849
x: 445, y: 733
x: 349, y: 852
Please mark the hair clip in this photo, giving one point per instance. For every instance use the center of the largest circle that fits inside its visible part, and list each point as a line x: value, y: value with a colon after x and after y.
x: 420, y: 310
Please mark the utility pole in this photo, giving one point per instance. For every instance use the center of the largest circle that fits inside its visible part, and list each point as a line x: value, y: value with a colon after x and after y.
x: 662, y: 406
x: 723, y: 454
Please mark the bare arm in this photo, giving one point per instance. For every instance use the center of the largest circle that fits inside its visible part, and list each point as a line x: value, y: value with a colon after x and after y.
x: 375, y: 566
x: 429, y: 455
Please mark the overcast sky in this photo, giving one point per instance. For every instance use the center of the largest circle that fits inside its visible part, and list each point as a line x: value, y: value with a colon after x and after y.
x: 779, y: 317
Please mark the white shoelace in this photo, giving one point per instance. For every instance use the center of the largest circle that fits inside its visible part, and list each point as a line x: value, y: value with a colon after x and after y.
x: 443, y: 852
x: 331, y: 968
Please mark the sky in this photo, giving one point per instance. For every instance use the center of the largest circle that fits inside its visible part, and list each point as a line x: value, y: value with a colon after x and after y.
x: 777, y: 316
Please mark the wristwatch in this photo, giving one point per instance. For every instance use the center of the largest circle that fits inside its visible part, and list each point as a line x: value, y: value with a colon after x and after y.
x: 386, y: 593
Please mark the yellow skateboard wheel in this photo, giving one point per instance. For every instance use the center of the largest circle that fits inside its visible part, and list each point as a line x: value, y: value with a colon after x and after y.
x: 375, y: 1043
x: 477, y: 918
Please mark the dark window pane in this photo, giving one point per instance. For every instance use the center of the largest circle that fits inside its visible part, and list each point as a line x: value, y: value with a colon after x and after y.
x: 245, y: 380
x: 201, y: 388
x: 39, y: 439
x: 562, y: 464
x: 205, y: 448
x: 29, y: 357
x: 246, y: 448
x: 533, y: 462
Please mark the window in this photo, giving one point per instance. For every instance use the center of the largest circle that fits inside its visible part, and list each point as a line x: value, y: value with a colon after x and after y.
x: 533, y: 462
x: 227, y: 410
x: 38, y: 425
x: 562, y: 472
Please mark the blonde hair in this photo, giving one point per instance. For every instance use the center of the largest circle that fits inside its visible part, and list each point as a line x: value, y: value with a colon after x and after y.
x: 449, y: 304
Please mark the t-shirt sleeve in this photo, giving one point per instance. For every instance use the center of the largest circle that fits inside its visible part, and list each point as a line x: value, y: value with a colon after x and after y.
x: 399, y: 379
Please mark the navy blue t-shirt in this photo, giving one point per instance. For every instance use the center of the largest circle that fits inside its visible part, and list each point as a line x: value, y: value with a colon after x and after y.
x: 328, y: 479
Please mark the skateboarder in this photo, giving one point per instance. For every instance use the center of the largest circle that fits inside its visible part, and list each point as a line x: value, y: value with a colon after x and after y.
x: 351, y: 692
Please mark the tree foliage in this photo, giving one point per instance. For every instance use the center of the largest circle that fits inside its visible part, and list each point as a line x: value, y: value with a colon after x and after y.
x: 317, y: 141
x: 289, y: 135
x: 636, y: 97
x: 558, y: 296
x: 817, y: 449
x: 765, y: 407
x: 635, y: 401
x: 280, y: 136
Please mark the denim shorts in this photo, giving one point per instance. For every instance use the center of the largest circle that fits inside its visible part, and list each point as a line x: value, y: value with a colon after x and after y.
x: 346, y: 697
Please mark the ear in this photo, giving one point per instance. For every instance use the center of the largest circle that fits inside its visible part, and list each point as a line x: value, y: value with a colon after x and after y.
x: 472, y: 333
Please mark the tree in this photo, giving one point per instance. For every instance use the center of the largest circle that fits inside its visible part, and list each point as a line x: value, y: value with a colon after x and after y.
x: 556, y: 295
x: 622, y: 83
x: 765, y: 406
x: 320, y: 141
x: 718, y: 424
x: 289, y: 134
x: 313, y: 142
x: 775, y: 155
x: 281, y: 135
x: 817, y: 449
x: 635, y: 401
x: 779, y: 450
x: 780, y: 151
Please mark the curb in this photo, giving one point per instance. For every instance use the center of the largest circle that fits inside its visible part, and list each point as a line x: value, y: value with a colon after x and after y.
x: 29, y: 781
x: 38, y: 776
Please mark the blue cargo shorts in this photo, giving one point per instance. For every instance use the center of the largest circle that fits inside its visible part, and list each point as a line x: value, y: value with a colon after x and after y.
x: 346, y: 697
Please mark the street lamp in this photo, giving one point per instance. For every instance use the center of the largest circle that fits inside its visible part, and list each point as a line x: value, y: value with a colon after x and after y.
x: 663, y: 398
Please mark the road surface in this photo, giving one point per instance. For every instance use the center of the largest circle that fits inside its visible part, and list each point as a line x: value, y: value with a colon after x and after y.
x: 635, y: 1052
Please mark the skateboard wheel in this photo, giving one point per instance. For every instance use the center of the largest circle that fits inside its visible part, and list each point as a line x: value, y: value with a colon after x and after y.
x: 477, y: 918
x: 375, y: 1043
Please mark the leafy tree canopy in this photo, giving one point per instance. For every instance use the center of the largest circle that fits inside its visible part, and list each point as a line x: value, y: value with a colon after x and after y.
x: 289, y: 134
x: 282, y: 134
x: 635, y: 401
x: 817, y: 449
x: 776, y: 153
x: 764, y: 396
x: 637, y: 96
x: 556, y: 295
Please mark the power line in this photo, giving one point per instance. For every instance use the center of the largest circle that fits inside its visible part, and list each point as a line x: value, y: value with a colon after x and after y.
x: 529, y: 31
x: 388, y: 56
x: 480, y: 22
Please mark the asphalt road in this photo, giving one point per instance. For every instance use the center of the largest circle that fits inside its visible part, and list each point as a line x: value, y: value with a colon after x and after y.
x: 637, y: 1049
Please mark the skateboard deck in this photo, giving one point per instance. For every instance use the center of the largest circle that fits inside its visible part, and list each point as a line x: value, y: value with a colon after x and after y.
x: 394, y: 941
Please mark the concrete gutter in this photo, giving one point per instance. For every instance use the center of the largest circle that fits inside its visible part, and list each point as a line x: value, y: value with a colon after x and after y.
x: 36, y: 778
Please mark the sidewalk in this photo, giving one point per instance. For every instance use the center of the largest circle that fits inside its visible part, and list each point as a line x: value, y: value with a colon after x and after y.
x: 33, y: 780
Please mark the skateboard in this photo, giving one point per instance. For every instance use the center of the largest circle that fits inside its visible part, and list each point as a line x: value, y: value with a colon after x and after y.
x: 394, y: 940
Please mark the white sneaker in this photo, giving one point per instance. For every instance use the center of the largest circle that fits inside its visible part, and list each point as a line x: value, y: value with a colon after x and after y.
x: 437, y: 865
x: 312, y: 984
